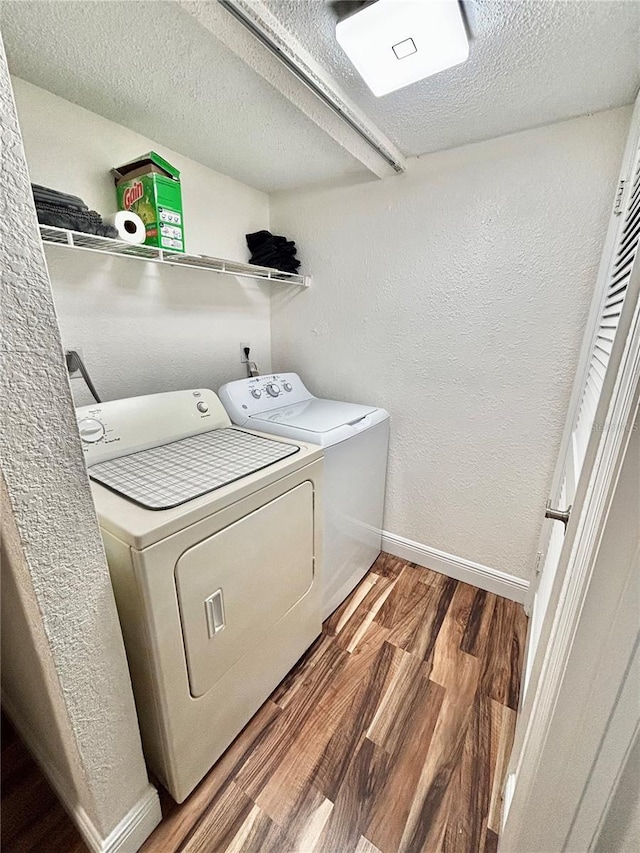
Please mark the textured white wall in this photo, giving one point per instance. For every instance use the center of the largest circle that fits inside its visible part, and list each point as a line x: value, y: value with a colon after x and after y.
x: 455, y: 296
x: 65, y: 676
x: 142, y: 329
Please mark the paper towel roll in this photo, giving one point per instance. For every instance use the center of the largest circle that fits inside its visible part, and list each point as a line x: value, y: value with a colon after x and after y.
x: 129, y: 226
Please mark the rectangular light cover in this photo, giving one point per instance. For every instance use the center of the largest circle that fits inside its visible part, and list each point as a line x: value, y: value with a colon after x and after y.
x: 393, y: 43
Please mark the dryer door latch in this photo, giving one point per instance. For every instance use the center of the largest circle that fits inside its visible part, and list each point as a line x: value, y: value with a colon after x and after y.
x: 214, y: 609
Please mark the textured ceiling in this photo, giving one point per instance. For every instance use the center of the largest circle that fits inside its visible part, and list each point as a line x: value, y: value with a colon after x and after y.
x: 531, y: 62
x: 156, y: 69
x: 152, y: 67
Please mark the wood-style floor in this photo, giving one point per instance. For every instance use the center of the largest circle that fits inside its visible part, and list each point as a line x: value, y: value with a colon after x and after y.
x: 391, y: 733
x: 31, y: 817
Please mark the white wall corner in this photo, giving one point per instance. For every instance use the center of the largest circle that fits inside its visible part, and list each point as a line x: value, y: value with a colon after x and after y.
x: 458, y: 447
x: 484, y: 577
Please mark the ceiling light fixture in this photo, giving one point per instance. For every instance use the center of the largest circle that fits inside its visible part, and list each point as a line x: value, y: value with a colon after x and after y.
x: 393, y: 43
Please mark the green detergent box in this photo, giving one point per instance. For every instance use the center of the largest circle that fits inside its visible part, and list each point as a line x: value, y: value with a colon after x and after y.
x: 150, y: 186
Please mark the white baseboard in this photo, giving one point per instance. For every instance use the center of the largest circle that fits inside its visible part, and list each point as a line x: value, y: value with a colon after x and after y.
x: 493, y: 580
x: 127, y: 836
x: 130, y: 833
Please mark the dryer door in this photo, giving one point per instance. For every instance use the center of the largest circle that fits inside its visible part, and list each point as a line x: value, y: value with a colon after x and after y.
x: 236, y: 585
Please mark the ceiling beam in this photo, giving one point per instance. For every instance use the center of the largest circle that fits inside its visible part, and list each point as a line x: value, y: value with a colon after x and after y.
x: 256, y: 36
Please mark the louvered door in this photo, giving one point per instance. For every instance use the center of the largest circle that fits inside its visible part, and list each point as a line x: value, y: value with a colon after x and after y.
x: 618, y: 260
x: 617, y: 280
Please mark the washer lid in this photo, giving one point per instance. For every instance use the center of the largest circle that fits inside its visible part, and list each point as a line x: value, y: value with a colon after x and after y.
x: 314, y: 415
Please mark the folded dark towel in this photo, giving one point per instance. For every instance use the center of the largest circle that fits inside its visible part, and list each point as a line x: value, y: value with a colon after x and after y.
x: 45, y: 194
x: 257, y: 239
x: 81, y: 213
x: 288, y: 267
x: 268, y: 250
x: 283, y: 243
x: 279, y: 262
x: 264, y: 260
x: 86, y: 220
x: 270, y: 247
x: 66, y: 219
x: 60, y: 210
x: 276, y: 261
x: 269, y: 257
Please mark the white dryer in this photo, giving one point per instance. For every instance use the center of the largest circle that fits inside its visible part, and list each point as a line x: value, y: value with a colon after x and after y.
x: 355, y: 442
x: 212, y: 535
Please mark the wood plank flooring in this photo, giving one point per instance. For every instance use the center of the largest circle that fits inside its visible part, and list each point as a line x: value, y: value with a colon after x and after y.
x: 32, y: 818
x: 391, y: 734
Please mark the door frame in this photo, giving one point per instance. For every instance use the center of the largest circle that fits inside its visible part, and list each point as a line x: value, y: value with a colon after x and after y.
x: 603, y: 460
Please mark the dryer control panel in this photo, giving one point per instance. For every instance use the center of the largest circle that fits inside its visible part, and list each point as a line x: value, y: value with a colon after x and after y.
x: 120, y: 427
x: 246, y: 397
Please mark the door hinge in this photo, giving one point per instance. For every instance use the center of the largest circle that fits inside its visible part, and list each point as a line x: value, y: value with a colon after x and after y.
x: 617, y: 205
x: 538, y: 565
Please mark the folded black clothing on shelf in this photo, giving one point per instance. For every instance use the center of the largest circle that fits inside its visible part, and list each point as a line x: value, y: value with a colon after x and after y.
x: 285, y: 265
x: 265, y: 257
x: 269, y: 250
x: 282, y: 263
x: 276, y: 261
x: 60, y: 210
x: 87, y: 221
x: 282, y: 242
x: 81, y: 213
x: 257, y: 239
x: 47, y: 195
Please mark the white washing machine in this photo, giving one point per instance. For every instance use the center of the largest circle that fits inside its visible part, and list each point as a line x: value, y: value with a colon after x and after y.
x: 212, y: 535
x: 355, y: 441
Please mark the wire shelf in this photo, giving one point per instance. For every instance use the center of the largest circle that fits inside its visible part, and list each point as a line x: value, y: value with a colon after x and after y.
x: 107, y: 246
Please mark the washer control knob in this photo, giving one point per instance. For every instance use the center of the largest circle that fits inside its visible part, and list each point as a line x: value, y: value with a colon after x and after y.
x: 202, y: 406
x: 91, y: 430
x: 272, y: 389
x: 288, y: 386
x: 257, y: 393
